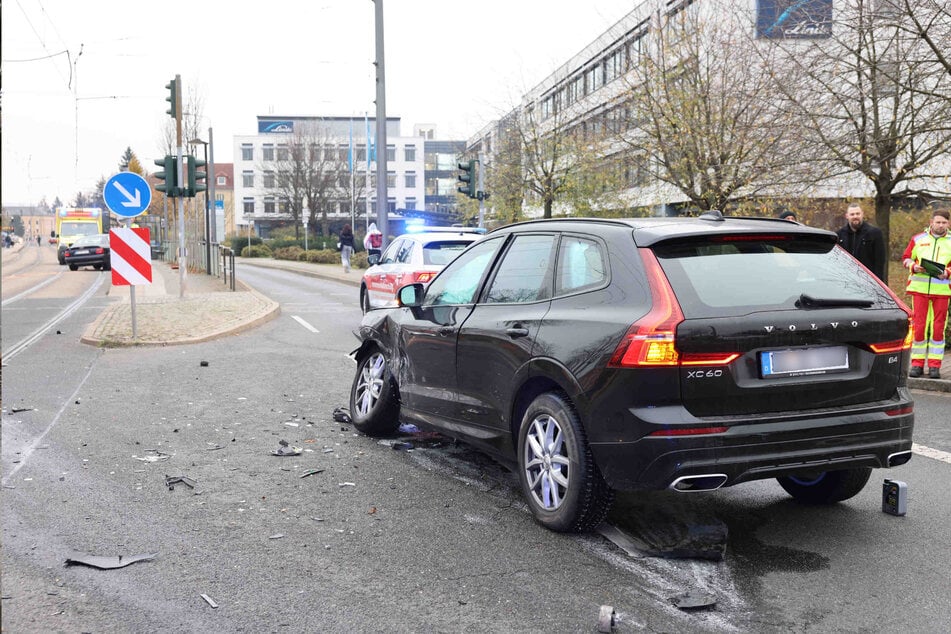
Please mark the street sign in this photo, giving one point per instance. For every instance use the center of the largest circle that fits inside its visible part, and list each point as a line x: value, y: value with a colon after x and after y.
x: 131, y: 256
x: 127, y: 194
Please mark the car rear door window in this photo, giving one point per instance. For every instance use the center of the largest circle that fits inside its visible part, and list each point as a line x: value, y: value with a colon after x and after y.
x: 581, y: 265
x: 525, y: 273
x: 731, y: 275
x: 442, y: 253
x: 404, y: 253
x: 389, y: 256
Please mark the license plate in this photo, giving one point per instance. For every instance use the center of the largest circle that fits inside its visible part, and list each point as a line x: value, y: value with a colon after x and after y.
x: 804, y: 361
x: 81, y: 252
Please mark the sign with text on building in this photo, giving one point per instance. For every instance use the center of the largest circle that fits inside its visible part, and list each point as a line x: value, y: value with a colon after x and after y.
x: 131, y: 256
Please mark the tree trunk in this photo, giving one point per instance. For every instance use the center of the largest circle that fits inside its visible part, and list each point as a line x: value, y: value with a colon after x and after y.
x: 548, y: 203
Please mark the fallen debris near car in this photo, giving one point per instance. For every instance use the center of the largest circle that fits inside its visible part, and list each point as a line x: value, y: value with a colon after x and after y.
x: 154, y: 456
x: 209, y: 601
x: 310, y: 472
x: 693, y: 601
x: 286, y: 450
x: 607, y: 619
x: 105, y: 562
x: 171, y: 481
x: 342, y: 415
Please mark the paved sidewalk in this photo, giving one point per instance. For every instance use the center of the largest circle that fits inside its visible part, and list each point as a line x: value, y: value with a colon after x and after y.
x: 209, y: 310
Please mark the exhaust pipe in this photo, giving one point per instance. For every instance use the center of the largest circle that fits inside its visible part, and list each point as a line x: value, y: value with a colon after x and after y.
x: 899, y: 458
x: 705, y: 482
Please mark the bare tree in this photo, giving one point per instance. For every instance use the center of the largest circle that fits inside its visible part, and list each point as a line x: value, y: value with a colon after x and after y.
x: 929, y: 20
x: 703, y: 118
x: 303, y: 174
x: 869, y: 102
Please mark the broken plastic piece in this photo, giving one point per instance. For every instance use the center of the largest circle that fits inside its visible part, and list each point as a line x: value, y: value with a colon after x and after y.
x: 286, y: 450
x: 693, y: 600
x: 17, y: 410
x: 408, y: 428
x: 104, y: 562
x: 405, y: 446
x: 342, y: 415
x: 277, y: 536
x: 155, y: 456
x: 607, y: 619
x: 209, y: 601
x: 203, y: 364
x: 311, y: 472
x: 171, y: 481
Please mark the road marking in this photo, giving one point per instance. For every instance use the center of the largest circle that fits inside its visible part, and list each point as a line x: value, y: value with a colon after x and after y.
x: 928, y: 452
x: 304, y: 324
x: 28, y: 451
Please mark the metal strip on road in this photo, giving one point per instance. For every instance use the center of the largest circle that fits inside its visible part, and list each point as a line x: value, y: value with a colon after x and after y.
x: 304, y: 324
x: 31, y: 290
x: 66, y: 312
x: 928, y: 452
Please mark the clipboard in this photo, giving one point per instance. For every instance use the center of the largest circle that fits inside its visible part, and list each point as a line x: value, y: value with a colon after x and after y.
x: 932, y: 268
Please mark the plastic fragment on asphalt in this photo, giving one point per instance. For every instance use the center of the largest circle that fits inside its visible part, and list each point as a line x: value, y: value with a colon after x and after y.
x: 408, y: 428
x: 630, y: 545
x: 607, y: 619
x: 276, y: 536
x: 693, y: 601
x: 105, y: 562
x: 171, y: 481
x: 155, y: 456
x: 405, y: 446
x: 342, y: 415
x: 203, y: 364
x: 310, y: 473
x: 209, y: 601
x: 347, y: 484
x: 17, y: 410
x: 286, y: 450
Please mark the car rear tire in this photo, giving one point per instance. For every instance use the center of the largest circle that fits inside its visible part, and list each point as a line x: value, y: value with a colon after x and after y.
x: 826, y: 487
x: 374, y: 400
x: 563, y: 486
x: 98, y: 267
x: 73, y: 267
x: 364, y: 300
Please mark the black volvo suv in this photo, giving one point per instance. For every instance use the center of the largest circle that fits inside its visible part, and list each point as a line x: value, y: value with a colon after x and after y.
x: 689, y: 353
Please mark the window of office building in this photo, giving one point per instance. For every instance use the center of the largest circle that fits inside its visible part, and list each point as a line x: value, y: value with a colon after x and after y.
x: 409, y: 153
x: 410, y: 204
x: 248, y: 206
x: 268, y: 152
x: 410, y: 179
x: 361, y: 156
x: 391, y: 179
x: 283, y: 154
x: 343, y: 153
x: 247, y: 152
x: 269, y: 207
x: 269, y: 179
x: 247, y: 179
x: 391, y: 153
x: 284, y: 206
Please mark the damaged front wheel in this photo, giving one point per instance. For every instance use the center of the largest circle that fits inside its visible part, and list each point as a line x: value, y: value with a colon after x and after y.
x: 374, y: 402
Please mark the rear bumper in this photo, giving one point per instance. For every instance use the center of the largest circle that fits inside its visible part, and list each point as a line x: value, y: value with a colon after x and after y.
x: 766, y: 448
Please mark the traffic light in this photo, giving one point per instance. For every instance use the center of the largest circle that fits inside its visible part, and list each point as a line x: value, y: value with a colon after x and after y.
x: 173, y: 97
x: 467, y: 179
x: 168, y: 176
x: 196, y: 179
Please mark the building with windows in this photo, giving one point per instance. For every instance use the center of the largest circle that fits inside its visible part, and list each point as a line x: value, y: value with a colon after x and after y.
x: 441, y: 159
x: 332, y: 158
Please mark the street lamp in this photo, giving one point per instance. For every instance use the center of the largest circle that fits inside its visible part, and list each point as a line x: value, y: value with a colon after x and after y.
x: 306, y: 215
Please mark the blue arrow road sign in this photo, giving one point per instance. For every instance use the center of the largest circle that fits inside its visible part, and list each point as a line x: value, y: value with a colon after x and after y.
x: 127, y: 194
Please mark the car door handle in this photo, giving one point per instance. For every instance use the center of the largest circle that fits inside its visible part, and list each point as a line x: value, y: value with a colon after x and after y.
x: 514, y: 333
x: 445, y: 332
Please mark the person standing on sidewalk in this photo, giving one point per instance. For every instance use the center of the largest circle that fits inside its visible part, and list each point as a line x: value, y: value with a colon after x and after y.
x: 863, y: 240
x: 373, y: 242
x: 346, y: 247
x: 930, y: 290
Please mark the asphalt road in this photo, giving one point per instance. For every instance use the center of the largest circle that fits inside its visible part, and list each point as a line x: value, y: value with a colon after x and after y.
x: 434, y: 539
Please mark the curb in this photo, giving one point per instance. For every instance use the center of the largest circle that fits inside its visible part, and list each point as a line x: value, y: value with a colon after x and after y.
x: 930, y: 385
x: 307, y: 271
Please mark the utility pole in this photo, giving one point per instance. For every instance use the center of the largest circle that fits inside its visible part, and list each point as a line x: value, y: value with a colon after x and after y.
x: 381, y: 197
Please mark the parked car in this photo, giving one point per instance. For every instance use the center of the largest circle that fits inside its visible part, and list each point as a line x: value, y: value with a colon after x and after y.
x: 412, y: 257
x: 89, y: 251
x: 596, y: 355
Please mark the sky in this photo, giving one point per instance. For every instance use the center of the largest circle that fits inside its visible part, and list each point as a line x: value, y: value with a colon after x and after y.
x: 67, y: 117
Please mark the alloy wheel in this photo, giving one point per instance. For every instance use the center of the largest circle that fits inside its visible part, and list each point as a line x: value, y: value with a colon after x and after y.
x: 370, y: 385
x: 546, y: 462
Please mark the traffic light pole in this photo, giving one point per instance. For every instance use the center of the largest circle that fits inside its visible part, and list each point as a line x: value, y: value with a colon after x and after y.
x: 481, y: 189
x: 180, y: 170
x: 381, y: 196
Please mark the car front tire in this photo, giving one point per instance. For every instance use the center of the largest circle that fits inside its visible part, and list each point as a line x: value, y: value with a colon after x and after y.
x: 365, y: 300
x: 827, y: 487
x: 563, y: 486
x: 374, y: 400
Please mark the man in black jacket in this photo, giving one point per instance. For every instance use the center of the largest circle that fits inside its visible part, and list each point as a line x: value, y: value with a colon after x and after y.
x: 863, y: 240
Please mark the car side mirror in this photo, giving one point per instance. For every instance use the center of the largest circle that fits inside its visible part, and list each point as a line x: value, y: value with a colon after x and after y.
x: 373, y: 258
x: 411, y: 295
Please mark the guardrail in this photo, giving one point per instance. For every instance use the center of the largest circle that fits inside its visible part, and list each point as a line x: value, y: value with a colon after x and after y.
x: 226, y: 260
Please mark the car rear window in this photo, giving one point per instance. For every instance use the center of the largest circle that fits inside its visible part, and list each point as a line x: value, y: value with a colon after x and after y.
x: 443, y: 252
x: 735, y: 275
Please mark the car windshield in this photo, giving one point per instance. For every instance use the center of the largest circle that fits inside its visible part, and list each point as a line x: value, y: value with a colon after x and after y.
x: 723, y: 275
x: 443, y: 252
x: 79, y: 228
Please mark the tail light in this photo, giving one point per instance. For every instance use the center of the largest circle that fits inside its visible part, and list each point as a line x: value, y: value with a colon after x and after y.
x: 688, y: 431
x: 423, y: 277
x: 651, y: 340
x: 100, y: 251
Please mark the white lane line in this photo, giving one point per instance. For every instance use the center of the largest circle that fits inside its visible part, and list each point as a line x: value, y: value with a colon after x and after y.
x: 69, y: 310
x: 28, y: 451
x: 928, y: 452
x: 304, y: 324
x: 31, y: 290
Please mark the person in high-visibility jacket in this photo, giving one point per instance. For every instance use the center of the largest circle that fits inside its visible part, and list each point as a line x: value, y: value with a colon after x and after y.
x: 929, y: 289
